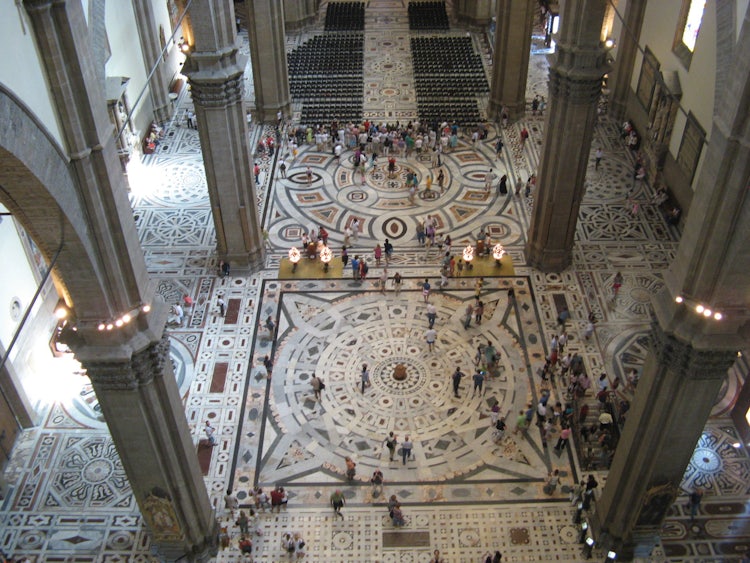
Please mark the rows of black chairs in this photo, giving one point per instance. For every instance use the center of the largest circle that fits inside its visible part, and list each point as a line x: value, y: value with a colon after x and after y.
x: 341, y: 53
x: 424, y: 16
x: 464, y: 113
x: 345, y: 16
x: 451, y: 86
x: 344, y: 111
x: 438, y: 55
x: 317, y: 87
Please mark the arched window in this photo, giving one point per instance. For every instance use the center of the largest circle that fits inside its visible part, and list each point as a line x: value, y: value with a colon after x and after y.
x: 688, y: 27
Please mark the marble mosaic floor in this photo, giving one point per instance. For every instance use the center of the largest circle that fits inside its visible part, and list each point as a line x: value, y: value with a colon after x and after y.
x: 463, y: 493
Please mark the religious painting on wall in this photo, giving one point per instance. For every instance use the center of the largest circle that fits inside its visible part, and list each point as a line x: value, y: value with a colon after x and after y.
x: 693, y: 139
x: 647, y: 79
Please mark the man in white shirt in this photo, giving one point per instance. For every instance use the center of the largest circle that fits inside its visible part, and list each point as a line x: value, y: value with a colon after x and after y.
x: 430, y: 336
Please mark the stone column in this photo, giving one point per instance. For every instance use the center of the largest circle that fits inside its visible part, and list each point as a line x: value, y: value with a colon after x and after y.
x: 299, y: 13
x: 627, y: 49
x: 678, y: 386
x: 265, y: 29
x: 574, y: 87
x: 510, y: 61
x: 128, y: 364
x: 692, y: 350
x: 151, y: 49
x: 216, y: 72
x: 473, y: 13
x: 140, y: 400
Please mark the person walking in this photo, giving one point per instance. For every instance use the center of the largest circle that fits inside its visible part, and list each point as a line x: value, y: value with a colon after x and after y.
x: 309, y: 175
x: 456, y: 377
x: 499, y: 433
x: 499, y: 149
x: 222, y: 305
x: 553, y: 479
x: 397, y: 280
x: 694, y: 501
x: 317, y: 385
x: 478, y: 312
x: 231, y: 502
x: 406, y: 447
x: 598, y: 158
x: 355, y: 267
x: 377, y: 483
x: 243, y: 522
x: 562, y: 441
x: 430, y: 336
x: 617, y: 284
x: 397, y: 517
x: 210, y: 434
x: 365, y: 377
x: 478, y: 378
x: 426, y: 290
x: 489, y: 179
x: 431, y: 314
x: 337, y: 502
x: 388, y: 251
x: 351, y: 468
x: 469, y: 313
x: 390, y: 443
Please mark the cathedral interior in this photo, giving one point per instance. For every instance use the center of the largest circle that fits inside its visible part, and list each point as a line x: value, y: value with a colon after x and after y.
x: 159, y: 168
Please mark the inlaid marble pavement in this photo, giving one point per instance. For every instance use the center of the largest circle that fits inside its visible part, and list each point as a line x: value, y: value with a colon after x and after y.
x: 69, y: 499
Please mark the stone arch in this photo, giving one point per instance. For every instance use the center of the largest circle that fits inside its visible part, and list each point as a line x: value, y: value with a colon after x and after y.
x: 37, y: 187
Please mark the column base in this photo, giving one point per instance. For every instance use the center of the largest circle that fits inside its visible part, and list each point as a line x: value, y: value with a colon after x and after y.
x: 252, y: 261
x: 639, y: 546
x: 548, y: 261
x: 515, y: 110
x: 163, y: 113
x: 267, y: 114
x: 299, y: 24
x: 177, y: 551
x: 617, y: 109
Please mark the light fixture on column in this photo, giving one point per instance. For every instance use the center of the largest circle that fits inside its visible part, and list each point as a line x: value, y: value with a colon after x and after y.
x: 611, y: 556
x: 125, y: 318
x: 588, y: 547
x: 584, y: 529
x: 699, y: 308
x: 578, y: 514
x: 325, y: 256
x: 294, y: 257
x: 61, y: 310
x: 468, y: 256
x: 497, y: 253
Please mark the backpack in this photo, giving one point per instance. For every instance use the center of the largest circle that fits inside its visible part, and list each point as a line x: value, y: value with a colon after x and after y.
x: 301, y: 545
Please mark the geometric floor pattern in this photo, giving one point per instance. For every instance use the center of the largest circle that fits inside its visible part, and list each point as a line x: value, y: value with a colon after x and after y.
x: 463, y: 492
